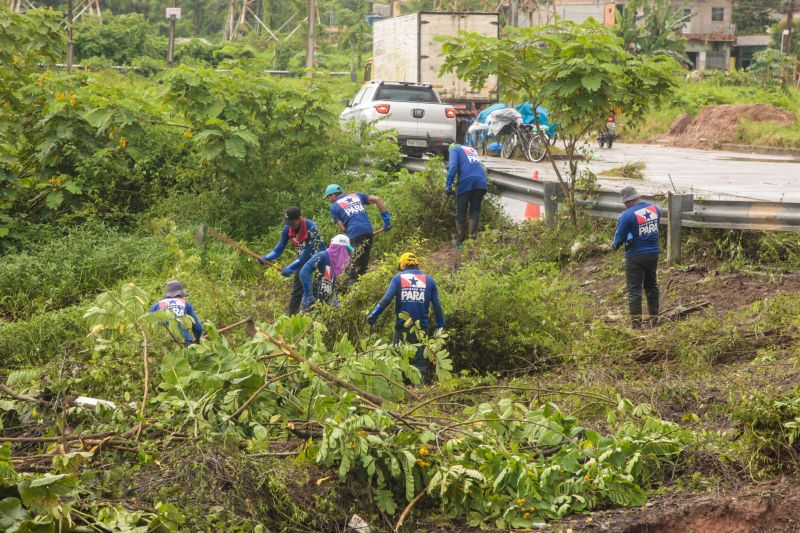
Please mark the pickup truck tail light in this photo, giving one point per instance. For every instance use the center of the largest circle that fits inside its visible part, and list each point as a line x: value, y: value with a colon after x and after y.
x: 450, y: 112
x: 383, y: 109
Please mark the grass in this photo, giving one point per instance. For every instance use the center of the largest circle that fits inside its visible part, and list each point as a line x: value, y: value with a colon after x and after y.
x: 656, y: 122
x: 631, y: 171
x: 768, y: 134
x: 690, y: 97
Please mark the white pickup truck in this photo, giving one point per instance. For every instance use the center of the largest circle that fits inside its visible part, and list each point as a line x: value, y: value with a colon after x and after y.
x: 422, y: 122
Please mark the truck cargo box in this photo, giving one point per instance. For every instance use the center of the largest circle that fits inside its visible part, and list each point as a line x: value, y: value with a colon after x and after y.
x: 405, y: 49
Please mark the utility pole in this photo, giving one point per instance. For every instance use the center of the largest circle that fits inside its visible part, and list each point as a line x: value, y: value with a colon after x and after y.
x: 173, y: 14
x: 789, y: 24
x: 69, y: 35
x: 312, y: 10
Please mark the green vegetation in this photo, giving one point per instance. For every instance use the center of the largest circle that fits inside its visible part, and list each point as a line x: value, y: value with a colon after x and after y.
x: 753, y: 16
x: 542, y: 403
x: 632, y: 171
x: 652, y: 28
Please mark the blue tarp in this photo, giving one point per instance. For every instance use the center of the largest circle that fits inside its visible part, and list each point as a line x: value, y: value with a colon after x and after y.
x: 526, y: 110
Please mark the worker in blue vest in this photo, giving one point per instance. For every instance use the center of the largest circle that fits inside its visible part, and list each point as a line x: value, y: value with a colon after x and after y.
x: 174, y: 300
x: 637, y: 229
x: 306, y: 240
x: 349, y: 211
x: 413, y: 292
x: 471, y: 187
x: 328, y: 265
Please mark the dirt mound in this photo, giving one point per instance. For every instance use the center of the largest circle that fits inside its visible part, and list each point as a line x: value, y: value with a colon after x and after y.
x: 719, y: 124
x: 681, y: 124
x: 764, y: 507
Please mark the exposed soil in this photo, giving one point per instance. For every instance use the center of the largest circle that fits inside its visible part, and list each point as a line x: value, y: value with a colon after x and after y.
x: 719, y: 124
x: 772, y: 507
x: 446, y: 257
x: 681, y: 124
x: 685, y: 285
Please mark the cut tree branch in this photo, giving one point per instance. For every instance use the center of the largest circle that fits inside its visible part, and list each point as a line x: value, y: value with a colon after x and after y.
x: 377, y: 400
x: 21, y: 397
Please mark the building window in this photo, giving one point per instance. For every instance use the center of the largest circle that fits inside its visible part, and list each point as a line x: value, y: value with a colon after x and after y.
x: 717, y: 14
x: 687, y: 12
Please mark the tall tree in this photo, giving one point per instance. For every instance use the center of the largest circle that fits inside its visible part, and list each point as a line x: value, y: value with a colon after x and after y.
x: 580, y: 73
x: 652, y: 27
x: 755, y: 16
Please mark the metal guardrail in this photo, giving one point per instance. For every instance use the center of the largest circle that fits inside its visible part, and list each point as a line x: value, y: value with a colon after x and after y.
x: 697, y: 212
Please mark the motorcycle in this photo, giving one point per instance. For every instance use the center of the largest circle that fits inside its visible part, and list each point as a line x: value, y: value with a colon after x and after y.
x: 606, y: 135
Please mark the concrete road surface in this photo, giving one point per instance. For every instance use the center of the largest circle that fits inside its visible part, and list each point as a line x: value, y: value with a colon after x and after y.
x: 706, y: 173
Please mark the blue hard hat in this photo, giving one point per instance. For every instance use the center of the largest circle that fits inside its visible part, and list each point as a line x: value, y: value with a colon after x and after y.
x: 332, y: 189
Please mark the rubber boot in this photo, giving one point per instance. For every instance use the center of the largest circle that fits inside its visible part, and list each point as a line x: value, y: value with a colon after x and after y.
x: 460, y: 234
x: 636, y: 322
x: 473, y: 228
x: 652, y: 310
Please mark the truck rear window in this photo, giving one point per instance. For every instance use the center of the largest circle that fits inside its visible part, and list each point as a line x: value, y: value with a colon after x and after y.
x: 402, y: 93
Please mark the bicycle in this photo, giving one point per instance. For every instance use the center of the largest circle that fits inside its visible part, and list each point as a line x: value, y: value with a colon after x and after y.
x: 536, y: 149
x: 516, y: 137
x: 525, y: 137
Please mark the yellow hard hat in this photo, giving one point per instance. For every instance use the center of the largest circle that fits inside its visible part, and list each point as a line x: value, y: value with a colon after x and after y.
x: 406, y: 260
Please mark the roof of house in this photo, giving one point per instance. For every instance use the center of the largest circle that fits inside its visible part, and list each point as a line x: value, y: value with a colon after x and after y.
x: 753, y: 40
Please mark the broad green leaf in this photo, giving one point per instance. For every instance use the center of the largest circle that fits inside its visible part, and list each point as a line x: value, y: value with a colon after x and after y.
x: 54, y: 199
x: 234, y: 147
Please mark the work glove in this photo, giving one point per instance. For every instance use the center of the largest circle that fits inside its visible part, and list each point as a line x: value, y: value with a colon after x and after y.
x: 372, y: 319
x: 387, y: 222
x: 605, y: 247
x: 438, y: 332
x: 263, y: 260
x: 449, y: 192
x: 286, y: 272
x: 307, y: 301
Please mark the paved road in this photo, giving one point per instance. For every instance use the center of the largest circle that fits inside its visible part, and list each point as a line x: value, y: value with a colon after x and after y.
x: 706, y: 173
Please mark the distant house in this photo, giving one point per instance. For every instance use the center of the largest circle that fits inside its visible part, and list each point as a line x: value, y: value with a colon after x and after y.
x: 746, y: 46
x: 710, y: 34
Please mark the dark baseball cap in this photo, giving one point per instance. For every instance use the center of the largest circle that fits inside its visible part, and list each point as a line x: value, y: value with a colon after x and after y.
x: 291, y: 214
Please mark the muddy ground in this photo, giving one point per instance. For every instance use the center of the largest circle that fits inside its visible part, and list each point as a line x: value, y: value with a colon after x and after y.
x: 604, y: 281
x: 772, y: 507
x: 717, y: 124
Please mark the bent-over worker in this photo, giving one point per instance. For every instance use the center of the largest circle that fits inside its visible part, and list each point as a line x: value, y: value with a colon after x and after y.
x: 470, y: 189
x: 175, y: 300
x: 413, y: 292
x: 349, y: 211
x: 328, y: 264
x: 637, y: 229
x: 306, y: 240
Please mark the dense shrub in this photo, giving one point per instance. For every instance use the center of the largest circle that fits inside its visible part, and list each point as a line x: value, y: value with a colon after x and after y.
x: 512, y: 319
x: 42, y: 338
x: 120, y: 39
x: 83, y: 261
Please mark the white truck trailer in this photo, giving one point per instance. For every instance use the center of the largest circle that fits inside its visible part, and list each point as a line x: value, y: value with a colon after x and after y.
x: 405, y: 49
